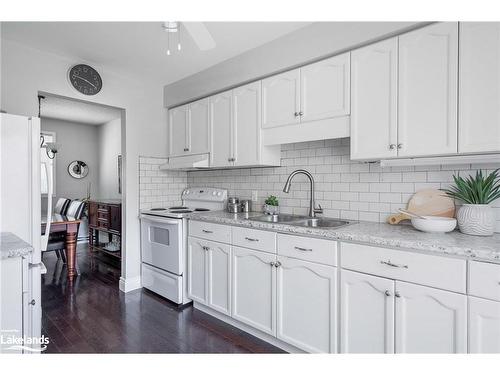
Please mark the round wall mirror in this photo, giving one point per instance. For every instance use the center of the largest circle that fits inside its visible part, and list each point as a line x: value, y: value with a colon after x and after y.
x: 78, y: 169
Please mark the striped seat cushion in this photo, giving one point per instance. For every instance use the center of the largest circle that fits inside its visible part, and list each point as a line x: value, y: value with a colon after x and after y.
x: 76, y: 209
x: 61, y: 206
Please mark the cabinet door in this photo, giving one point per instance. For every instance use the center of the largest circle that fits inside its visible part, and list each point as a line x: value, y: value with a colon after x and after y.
x: 307, y: 305
x: 428, y: 68
x: 374, y: 80
x: 197, y: 270
x: 325, y: 88
x: 219, y: 277
x: 366, y: 313
x: 247, y: 122
x: 254, y: 289
x: 281, y: 99
x: 178, y: 130
x: 198, y: 137
x: 93, y: 213
x: 115, y: 218
x: 430, y: 320
x: 479, y: 117
x: 484, y: 326
x: 221, y: 129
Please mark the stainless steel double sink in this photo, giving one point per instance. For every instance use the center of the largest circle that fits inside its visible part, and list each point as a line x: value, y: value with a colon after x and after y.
x: 301, y: 221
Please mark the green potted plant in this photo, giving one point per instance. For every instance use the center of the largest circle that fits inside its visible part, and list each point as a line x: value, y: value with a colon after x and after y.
x: 271, y: 206
x: 476, y: 216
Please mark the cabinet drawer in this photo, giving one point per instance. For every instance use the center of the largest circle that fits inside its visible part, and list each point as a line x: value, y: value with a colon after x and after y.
x: 435, y: 271
x: 306, y: 248
x: 210, y: 231
x: 255, y: 239
x: 484, y: 280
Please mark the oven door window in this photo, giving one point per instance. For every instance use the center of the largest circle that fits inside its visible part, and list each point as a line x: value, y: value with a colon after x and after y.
x: 159, y: 236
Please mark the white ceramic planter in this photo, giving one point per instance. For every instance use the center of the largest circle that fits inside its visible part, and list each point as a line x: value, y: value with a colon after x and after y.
x: 476, y: 219
x: 271, y: 210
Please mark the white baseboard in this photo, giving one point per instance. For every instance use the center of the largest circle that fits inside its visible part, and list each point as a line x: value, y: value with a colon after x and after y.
x: 254, y: 332
x: 129, y: 284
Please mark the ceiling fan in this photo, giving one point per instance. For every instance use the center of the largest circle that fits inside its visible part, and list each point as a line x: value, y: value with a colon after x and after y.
x: 197, y: 30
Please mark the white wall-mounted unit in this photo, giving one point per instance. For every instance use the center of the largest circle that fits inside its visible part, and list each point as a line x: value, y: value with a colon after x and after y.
x: 308, y: 103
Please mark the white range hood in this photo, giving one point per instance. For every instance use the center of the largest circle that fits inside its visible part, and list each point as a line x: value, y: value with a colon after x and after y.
x: 187, y: 163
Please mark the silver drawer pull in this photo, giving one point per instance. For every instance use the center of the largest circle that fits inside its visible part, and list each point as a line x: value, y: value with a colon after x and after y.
x: 390, y: 264
x: 302, y: 248
x: 206, y: 231
x: 252, y: 239
x: 206, y: 248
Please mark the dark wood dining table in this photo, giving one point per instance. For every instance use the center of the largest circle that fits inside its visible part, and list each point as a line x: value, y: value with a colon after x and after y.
x: 68, y: 224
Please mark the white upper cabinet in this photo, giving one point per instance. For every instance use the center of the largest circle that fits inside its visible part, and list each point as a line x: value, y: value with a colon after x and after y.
x: 307, y: 305
x: 198, y: 137
x: 366, y: 313
x: 247, y: 124
x: 428, y: 69
x: 479, y: 103
x: 178, y: 120
x: 324, y: 89
x: 484, y: 326
x: 374, y: 101
x: 254, y: 289
x: 221, y: 121
x: 281, y: 99
x: 430, y: 320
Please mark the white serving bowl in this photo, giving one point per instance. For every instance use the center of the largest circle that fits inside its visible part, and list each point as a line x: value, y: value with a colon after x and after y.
x: 434, y: 224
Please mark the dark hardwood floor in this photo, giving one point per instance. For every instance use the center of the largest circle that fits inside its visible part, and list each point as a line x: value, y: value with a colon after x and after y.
x: 93, y: 316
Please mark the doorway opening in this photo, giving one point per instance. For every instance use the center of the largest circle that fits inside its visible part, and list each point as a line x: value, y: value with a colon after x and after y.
x: 82, y: 171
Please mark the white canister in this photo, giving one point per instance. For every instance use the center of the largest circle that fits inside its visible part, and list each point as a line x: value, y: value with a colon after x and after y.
x: 476, y: 219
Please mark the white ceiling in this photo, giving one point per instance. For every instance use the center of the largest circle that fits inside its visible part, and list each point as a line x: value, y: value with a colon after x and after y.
x: 77, y: 111
x: 139, y: 48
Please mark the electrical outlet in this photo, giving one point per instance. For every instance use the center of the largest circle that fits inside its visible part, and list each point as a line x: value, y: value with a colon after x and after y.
x: 255, y: 195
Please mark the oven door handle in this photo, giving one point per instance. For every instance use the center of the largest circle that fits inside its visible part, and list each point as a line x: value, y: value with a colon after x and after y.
x: 161, y: 220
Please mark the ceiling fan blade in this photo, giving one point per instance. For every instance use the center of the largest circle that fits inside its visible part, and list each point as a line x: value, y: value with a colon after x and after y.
x: 200, y: 35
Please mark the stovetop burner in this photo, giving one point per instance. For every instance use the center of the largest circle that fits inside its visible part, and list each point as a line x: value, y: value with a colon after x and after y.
x: 201, y: 209
x: 178, y: 208
x: 181, y: 211
x: 158, y: 209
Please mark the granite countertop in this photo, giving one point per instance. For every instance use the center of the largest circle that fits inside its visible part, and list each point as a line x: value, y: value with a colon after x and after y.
x: 403, y: 237
x: 12, y: 246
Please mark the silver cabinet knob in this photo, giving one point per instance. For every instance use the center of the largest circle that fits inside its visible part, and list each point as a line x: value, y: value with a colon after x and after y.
x: 32, y: 302
x: 273, y: 264
x: 400, y: 146
x: 397, y: 295
x: 296, y: 114
x: 387, y: 293
x: 301, y: 113
x: 392, y: 146
x: 186, y: 149
x: 277, y: 264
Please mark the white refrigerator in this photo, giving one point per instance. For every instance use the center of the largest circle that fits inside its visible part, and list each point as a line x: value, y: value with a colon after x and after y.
x: 21, y: 214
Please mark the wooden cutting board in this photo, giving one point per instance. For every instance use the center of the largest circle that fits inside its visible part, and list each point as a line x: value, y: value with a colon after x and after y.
x: 427, y: 202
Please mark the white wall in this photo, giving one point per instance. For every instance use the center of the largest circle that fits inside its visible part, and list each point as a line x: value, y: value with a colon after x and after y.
x: 26, y: 71
x: 78, y: 142
x: 309, y: 43
x: 109, y: 138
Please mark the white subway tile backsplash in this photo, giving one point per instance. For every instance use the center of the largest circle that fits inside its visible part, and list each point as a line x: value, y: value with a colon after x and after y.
x: 344, y: 188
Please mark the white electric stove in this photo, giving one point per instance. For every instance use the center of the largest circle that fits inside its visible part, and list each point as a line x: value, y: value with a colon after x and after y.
x: 164, y: 241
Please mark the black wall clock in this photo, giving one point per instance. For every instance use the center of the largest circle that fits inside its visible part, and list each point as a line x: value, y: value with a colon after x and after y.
x: 85, y: 79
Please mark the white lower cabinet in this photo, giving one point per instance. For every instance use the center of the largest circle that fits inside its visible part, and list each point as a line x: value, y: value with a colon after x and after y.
x: 306, y: 308
x: 484, y: 326
x: 430, y: 320
x: 254, y: 289
x: 367, y: 313
x: 197, y: 270
x: 209, y: 270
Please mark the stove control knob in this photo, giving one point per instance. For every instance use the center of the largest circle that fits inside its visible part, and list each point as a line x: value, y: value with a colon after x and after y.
x: 219, y: 194
x: 214, y: 193
x: 186, y: 192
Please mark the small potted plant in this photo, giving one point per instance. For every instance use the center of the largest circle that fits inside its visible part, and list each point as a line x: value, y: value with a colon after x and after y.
x: 475, y: 216
x: 271, y: 206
